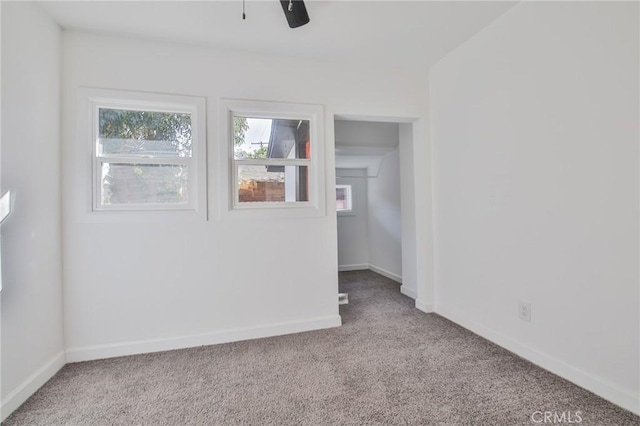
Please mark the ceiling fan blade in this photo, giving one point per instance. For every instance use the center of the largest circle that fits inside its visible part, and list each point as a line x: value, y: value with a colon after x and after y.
x: 296, y: 12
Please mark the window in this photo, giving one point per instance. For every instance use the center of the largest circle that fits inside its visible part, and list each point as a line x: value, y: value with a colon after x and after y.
x: 274, y: 154
x: 272, y: 159
x: 344, y: 200
x: 148, y: 152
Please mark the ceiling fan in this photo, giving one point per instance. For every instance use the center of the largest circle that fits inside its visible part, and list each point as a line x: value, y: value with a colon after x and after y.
x: 294, y: 10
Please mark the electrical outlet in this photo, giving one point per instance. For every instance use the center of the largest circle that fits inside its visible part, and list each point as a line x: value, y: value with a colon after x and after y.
x: 524, y: 311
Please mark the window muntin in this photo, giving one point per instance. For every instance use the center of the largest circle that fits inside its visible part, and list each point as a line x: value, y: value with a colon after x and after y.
x: 344, y: 199
x: 144, y: 157
x: 271, y: 161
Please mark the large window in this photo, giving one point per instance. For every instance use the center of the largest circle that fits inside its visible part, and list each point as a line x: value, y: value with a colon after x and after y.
x: 273, y: 151
x: 148, y: 152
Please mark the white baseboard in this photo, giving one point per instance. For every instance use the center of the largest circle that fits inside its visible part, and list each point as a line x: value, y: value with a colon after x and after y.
x: 31, y: 385
x: 601, y: 387
x: 357, y: 267
x: 408, y: 292
x: 424, y: 307
x: 88, y: 353
x: 374, y: 268
x: 384, y: 272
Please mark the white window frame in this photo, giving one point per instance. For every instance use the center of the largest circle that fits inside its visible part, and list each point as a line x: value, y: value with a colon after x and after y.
x: 231, y: 207
x: 350, y: 211
x: 196, y: 164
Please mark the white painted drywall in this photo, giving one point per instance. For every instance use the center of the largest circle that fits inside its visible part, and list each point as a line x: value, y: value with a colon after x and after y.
x: 1, y: 410
x: 535, y: 147
x: 407, y: 34
x: 407, y: 207
x: 134, y: 287
x: 385, y: 230
x: 353, y: 235
x: 366, y: 134
x: 32, y: 332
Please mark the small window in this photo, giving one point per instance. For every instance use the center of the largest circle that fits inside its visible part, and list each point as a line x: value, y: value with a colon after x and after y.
x: 147, y: 154
x: 273, y: 156
x: 344, y: 200
x: 272, y: 159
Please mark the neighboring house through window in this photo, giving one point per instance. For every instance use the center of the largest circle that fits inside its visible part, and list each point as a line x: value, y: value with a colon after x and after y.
x: 274, y: 153
x: 272, y: 160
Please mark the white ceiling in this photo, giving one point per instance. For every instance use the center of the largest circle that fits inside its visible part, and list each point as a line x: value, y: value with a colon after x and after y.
x: 414, y: 32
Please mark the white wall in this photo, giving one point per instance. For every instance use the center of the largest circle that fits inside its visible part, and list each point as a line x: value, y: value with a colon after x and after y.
x: 1, y: 410
x: 407, y: 207
x: 385, y: 230
x: 32, y: 333
x: 535, y: 153
x: 201, y: 290
x: 353, y: 235
x: 366, y: 133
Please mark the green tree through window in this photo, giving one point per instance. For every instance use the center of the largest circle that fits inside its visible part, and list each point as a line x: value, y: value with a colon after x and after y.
x: 144, y: 134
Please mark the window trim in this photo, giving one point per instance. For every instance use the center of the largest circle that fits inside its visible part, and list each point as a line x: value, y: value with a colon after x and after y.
x: 230, y: 205
x: 196, y: 163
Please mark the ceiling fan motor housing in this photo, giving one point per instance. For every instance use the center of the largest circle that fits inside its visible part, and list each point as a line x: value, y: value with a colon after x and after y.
x: 296, y: 12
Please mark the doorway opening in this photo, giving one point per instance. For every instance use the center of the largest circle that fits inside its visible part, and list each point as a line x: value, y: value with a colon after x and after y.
x: 375, y: 199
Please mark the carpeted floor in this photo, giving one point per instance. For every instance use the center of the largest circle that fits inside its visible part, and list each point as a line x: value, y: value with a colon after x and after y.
x: 388, y: 364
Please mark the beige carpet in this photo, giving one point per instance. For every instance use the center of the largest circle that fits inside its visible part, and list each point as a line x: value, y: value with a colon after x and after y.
x: 388, y: 364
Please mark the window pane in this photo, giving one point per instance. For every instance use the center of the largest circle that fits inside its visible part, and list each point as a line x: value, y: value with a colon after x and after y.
x: 144, y: 133
x: 272, y: 184
x: 343, y: 198
x: 270, y: 138
x: 143, y: 184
